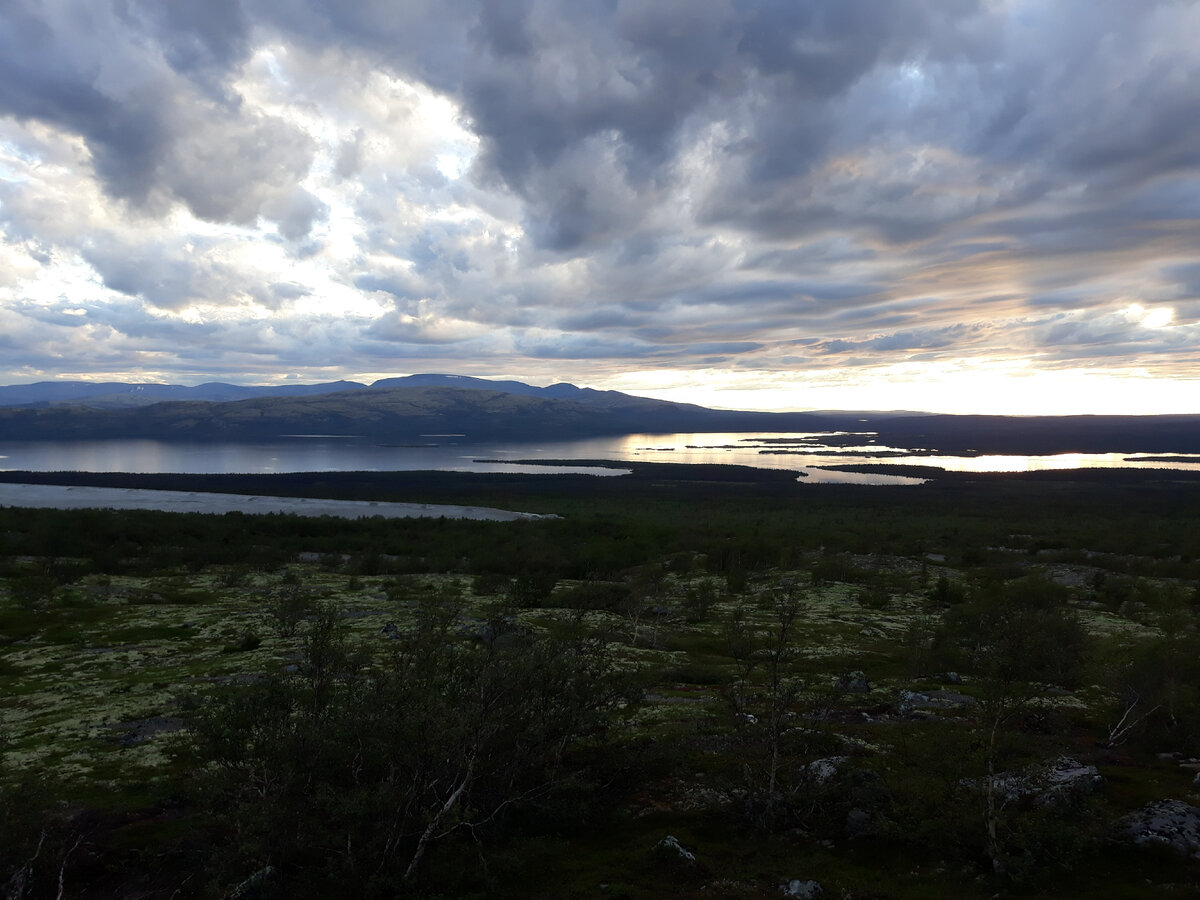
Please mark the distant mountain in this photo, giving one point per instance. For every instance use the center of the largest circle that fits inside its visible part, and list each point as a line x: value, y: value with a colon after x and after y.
x: 560, y: 391
x: 115, y: 394
x: 395, y: 413
x: 410, y: 408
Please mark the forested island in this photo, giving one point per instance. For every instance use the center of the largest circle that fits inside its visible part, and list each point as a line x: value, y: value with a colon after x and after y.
x: 692, y: 681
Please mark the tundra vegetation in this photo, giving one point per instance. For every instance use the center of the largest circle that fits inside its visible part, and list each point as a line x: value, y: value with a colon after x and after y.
x: 960, y: 689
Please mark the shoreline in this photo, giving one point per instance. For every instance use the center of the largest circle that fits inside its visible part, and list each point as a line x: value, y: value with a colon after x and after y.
x: 49, y: 496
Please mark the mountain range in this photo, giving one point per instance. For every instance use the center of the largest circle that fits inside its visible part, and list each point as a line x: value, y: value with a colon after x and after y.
x: 119, y: 395
x: 414, y: 407
x: 405, y: 408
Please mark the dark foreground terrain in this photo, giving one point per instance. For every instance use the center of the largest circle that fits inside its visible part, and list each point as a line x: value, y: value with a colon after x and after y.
x: 698, y: 682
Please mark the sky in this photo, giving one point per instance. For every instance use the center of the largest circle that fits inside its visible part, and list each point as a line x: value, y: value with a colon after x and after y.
x: 948, y: 205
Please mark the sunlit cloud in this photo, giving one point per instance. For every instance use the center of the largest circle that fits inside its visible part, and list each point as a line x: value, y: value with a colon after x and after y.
x: 938, y: 206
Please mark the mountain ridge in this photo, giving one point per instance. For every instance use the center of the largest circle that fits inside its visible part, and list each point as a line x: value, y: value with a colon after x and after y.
x: 391, y: 412
x: 413, y: 407
x: 117, y: 394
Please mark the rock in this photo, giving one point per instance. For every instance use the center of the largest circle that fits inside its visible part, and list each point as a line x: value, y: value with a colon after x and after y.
x: 910, y: 701
x: 854, y: 683
x: 913, y: 701
x: 804, y: 890
x: 949, y: 678
x: 872, y: 632
x: 822, y: 771
x: 390, y: 631
x: 670, y: 850
x: 1052, y: 783
x: 1169, y: 823
x: 1196, y: 780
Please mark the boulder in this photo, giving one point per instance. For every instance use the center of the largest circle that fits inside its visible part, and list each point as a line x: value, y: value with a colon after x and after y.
x: 671, y: 851
x: 1053, y: 783
x: 822, y: 771
x: 1165, y: 823
x: 804, y: 890
x: 854, y: 683
x: 911, y: 702
x: 390, y: 631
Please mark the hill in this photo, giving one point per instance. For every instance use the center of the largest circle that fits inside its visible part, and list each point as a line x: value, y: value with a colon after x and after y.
x: 398, y: 413
x: 407, y: 408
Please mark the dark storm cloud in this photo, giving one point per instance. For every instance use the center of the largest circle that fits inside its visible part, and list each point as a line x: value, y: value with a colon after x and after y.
x: 194, y: 37
x: 1112, y: 101
x: 157, y: 134
x: 653, y: 180
x: 583, y: 104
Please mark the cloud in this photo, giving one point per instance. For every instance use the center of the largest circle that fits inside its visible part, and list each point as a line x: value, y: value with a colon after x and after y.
x: 155, y: 135
x: 518, y: 186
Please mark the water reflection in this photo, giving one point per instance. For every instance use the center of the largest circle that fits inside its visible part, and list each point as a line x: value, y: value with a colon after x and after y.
x: 801, y: 452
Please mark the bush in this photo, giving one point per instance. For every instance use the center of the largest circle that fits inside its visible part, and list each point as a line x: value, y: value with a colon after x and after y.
x: 449, y: 739
x: 874, y: 597
x: 246, y: 643
x: 595, y: 595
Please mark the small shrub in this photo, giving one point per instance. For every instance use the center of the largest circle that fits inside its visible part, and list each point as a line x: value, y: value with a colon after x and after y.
x: 246, y: 643
x: 874, y: 597
x: 288, y: 610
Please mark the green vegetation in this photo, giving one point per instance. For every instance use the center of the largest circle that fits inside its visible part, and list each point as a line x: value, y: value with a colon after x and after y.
x: 861, y: 686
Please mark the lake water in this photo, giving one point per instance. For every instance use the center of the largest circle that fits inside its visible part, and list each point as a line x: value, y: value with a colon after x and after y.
x: 801, y: 452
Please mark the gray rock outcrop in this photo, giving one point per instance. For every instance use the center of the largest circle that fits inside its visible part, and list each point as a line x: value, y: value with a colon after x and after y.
x: 918, y: 702
x: 802, y: 890
x: 1165, y: 823
x: 670, y: 850
x: 1052, y: 783
x: 822, y: 771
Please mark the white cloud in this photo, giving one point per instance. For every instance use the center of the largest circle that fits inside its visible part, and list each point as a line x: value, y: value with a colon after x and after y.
x: 787, y: 193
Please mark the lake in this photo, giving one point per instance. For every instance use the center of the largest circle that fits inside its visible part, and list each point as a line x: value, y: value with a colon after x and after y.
x: 800, y: 452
